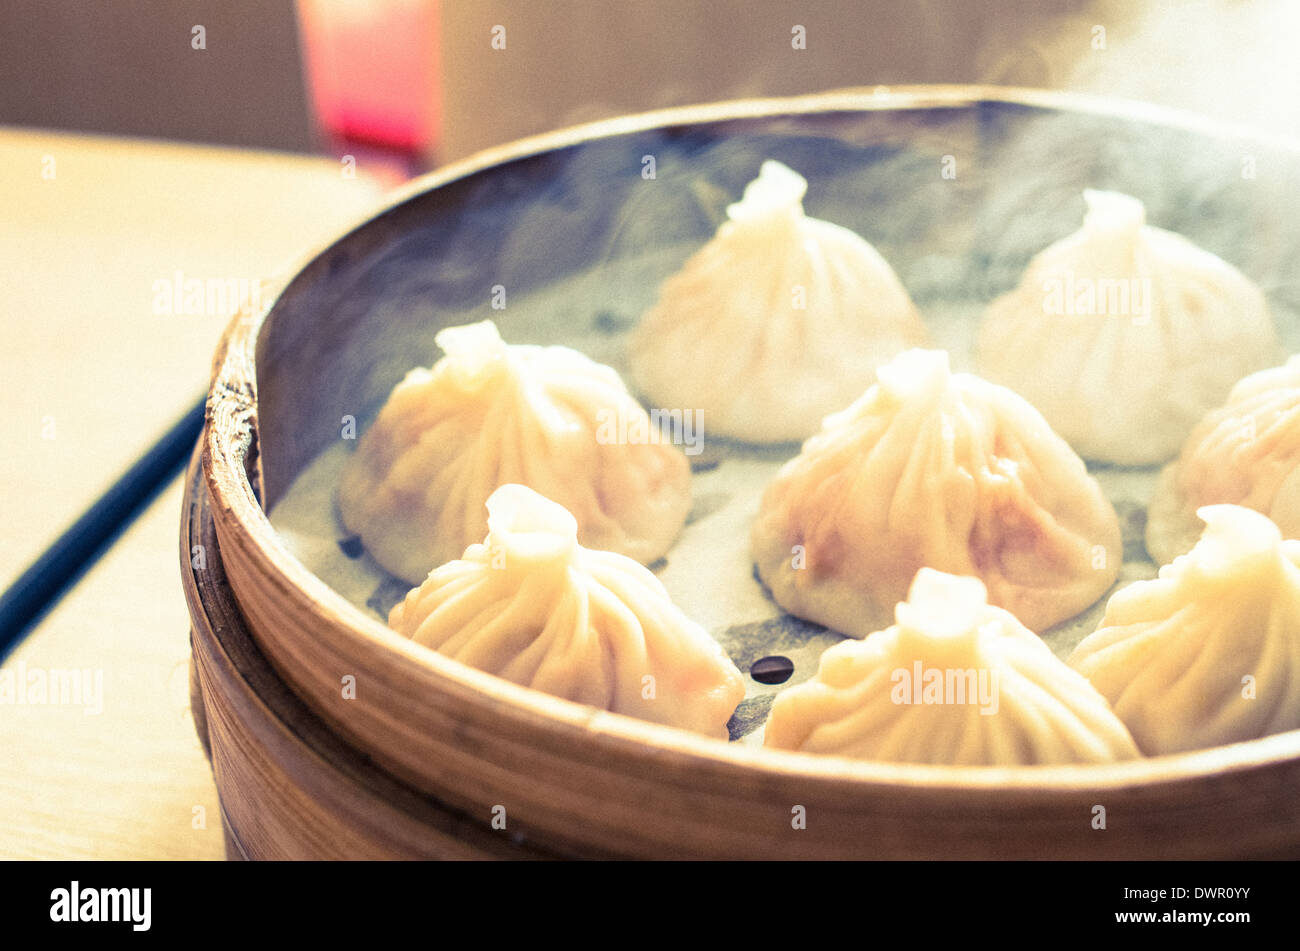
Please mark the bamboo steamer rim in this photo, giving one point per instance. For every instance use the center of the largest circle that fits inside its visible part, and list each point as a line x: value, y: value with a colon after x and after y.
x: 229, y: 436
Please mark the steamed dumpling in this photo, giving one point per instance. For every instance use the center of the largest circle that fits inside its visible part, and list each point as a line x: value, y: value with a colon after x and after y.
x: 1246, y: 452
x: 776, y: 322
x: 954, y: 681
x: 1123, y: 335
x: 940, y: 470
x: 487, y: 414
x: 1209, y: 652
x: 533, y: 606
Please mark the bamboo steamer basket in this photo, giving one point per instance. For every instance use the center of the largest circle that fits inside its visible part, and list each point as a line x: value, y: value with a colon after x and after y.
x: 289, y: 788
x: 428, y: 753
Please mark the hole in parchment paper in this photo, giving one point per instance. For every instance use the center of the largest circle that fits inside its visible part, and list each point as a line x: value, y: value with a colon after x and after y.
x: 772, y: 670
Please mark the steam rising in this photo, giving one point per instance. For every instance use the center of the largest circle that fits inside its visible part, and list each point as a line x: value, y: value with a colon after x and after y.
x: 1232, y: 60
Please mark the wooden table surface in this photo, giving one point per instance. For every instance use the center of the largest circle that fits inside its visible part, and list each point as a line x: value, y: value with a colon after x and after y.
x: 97, y: 361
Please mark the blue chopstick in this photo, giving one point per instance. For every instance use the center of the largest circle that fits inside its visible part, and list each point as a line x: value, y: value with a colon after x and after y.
x: 62, y: 564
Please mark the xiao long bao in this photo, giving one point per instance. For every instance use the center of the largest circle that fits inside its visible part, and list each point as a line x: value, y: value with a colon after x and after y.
x: 779, y: 320
x: 1123, y: 334
x: 941, y: 470
x: 488, y: 414
x: 1208, y: 653
x: 533, y: 606
x: 1246, y: 452
x: 953, y: 682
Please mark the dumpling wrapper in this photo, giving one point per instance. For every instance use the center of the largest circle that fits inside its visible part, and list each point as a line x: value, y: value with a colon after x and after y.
x: 1246, y: 452
x: 531, y: 605
x: 1208, y: 652
x: 778, y: 321
x: 955, y: 681
x: 488, y: 414
x: 1123, y: 335
x: 940, y: 470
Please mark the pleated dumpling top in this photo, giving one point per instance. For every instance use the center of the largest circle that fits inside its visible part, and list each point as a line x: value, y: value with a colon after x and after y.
x: 955, y: 681
x: 489, y: 413
x: 779, y: 320
x: 1246, y: 452
x: 934, y: 469
x: 531, y: 605
x: 1123, y: 334
x: 1208, y: 652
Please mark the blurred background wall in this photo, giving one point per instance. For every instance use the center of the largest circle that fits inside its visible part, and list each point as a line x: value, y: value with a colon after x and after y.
x: 459, y: 75
x: 131, y: 67
x: 571, y: 60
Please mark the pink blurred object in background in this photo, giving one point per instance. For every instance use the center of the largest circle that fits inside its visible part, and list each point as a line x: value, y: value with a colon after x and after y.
x: 372, y: 70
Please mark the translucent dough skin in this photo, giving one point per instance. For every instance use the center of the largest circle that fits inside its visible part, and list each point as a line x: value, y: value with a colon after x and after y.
x: 1042, y: 712
x: 1126, y: 387
x: 1246, y: 452
x: 1171, y: 653
x: 940, y: 470
x: 729, y: 335
x: 531, y: 605
x: 488, y: 414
